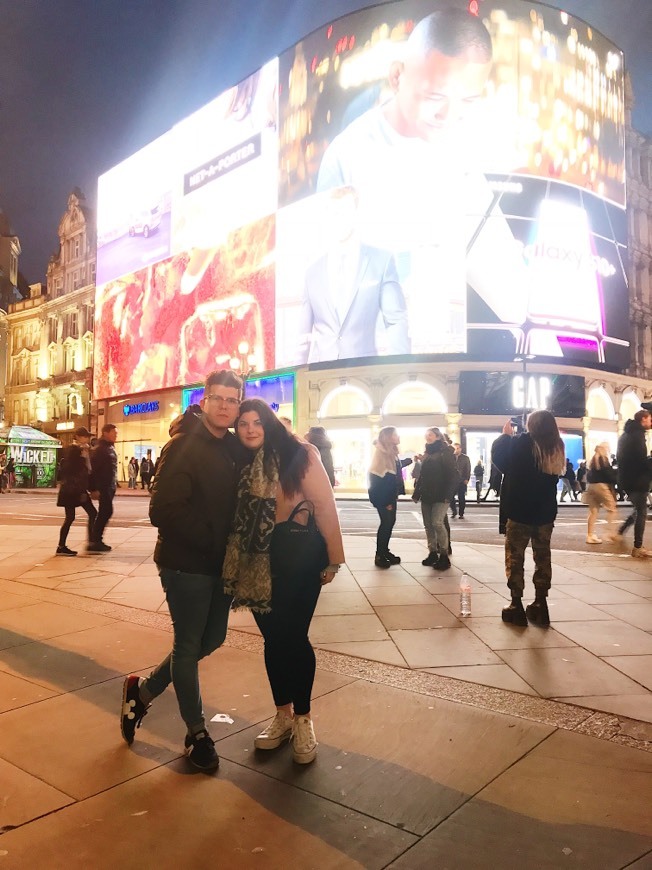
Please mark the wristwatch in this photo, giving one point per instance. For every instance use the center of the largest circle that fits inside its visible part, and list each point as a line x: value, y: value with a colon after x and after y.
x: 331, y: 569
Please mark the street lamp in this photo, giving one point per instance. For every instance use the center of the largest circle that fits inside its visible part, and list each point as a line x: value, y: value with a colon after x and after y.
x: 244, y: 363
x: 524, y: 359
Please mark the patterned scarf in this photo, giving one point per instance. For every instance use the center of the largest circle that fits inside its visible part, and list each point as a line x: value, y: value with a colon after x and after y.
x: 246, y: 572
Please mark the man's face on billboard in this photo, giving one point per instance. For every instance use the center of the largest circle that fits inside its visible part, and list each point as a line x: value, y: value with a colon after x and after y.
x: 436, y: 93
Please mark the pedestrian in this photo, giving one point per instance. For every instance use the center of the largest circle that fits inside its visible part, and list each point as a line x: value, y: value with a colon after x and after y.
x: 4, y: 477
x: 146, y: 471
x: 437, y: 483
x: 531, y: 463
x: 634, y: 477
x: 385, y: 486
x: 478, y: 473
x: 318, y: 438
x: 600, y: 493
x: 285, y: 478
x: 132, y: 472
x: 568, y: 482
x: 495, y: 481
x: 463, y: 464
x: 104, y: 480
x: 74, y: 475
x: 192, y: 506
x: 10, y: 470
x: 581, y: 475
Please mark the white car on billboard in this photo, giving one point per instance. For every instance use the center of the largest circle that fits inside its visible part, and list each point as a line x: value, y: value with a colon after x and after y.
x: 145, y: 221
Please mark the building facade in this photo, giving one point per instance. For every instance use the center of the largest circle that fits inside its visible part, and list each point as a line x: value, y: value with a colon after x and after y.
x: 50, y: 359
x: 639, y: 215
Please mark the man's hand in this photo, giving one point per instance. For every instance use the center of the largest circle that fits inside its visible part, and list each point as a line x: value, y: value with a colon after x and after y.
x: 95, y: 494
x: 508, y: 429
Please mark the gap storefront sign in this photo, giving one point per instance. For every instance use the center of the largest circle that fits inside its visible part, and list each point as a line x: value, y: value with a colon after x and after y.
x: 509, y: 393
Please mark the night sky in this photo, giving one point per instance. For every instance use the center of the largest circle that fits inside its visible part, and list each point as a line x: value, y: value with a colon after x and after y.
x: 85, y: 84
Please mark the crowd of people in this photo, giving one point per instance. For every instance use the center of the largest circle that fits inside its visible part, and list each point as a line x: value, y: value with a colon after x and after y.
x: 248, y: 520
x: 526, y: 469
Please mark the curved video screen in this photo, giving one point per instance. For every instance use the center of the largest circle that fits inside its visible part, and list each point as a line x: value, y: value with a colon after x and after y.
x: 409, y: 179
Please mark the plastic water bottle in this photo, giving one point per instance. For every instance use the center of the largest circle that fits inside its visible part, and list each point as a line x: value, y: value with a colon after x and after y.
x: 465, y: 595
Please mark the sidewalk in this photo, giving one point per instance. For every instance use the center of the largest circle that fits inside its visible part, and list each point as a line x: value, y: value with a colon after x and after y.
x: 441, y: 742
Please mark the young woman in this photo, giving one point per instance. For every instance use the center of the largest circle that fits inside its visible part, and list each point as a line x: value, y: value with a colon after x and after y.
x: 74, y: 471
x: 284, y: 471
x: 435, y: 488
x: 601, y: 479
x: 531, y: 463
x: 385, y: 486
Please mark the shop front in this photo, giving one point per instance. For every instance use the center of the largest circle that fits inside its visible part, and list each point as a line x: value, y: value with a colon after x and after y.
x: 35, y: 455
x: 143, y: 424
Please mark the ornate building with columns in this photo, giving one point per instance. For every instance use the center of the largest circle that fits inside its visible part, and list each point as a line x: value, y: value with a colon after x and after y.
x: 50, y: 353
x: 639, y: 214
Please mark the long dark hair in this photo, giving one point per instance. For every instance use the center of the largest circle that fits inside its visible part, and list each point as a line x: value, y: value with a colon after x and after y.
x: 281, y: 448
x: 549, y: 450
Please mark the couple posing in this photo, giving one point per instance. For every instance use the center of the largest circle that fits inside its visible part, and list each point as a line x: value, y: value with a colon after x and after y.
x: 220, y: 502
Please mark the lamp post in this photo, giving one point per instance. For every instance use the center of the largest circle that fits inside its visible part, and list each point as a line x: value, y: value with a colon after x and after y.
x: 524, y: 359
x: 243, y: 364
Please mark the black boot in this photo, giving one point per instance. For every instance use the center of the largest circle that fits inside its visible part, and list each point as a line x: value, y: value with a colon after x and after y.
x: 431, y: 558
x: 395, y: 560
x: 537, y: 612
x: 514, y: 614
x: 443, y: 563
x: 381, y: 561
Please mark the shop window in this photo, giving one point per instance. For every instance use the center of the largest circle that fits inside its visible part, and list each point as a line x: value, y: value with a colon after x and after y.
x: 629, y: 405
x: 599, y: 404
x: 414, y: 397
x: 346, y: 401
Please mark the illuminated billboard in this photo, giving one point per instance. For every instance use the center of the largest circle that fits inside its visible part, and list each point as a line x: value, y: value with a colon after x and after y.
x: 409, y: 179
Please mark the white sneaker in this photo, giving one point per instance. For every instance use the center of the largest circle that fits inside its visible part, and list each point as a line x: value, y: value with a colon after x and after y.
x: 304, y: 741
x: 593, y: 539
x: 278, y: 730
x: 641, y: 553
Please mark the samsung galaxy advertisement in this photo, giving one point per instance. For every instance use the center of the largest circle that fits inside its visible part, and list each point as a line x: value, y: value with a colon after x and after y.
x: 410, y: 179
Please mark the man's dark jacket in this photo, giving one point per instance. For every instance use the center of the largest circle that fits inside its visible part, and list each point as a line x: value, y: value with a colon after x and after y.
x: 439, y: 478
x: 634, y: 465
x: 104, y: 466
x: 193, y: 497
x: 527, y: 496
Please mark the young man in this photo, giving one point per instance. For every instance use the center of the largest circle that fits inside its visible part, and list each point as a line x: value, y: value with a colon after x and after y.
x: 193, y: 501
x: 348, y: 291
x: 420, y: 196
x: 634, y: 476
x: 463, y: 464
x: 104, y: 480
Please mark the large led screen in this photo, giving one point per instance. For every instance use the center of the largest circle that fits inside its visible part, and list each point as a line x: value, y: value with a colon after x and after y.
x: 410, y: 179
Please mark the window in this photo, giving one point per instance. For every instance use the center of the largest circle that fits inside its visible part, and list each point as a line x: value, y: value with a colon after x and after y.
x: 88, y: 353
x: 92, y: 273
x: 68, y: 356
x: 76, y: 247
x: 16, y: 418
x: 53, y: 361
x: 75, y: 280
x: 24, y: 411
x: 70, y: 325
x: 53, y: 329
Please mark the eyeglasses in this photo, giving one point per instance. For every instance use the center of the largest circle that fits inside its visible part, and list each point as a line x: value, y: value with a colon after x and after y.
x: 223, y: 400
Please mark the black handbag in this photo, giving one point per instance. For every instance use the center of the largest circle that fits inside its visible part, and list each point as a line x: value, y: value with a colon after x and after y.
x: 298, y: 547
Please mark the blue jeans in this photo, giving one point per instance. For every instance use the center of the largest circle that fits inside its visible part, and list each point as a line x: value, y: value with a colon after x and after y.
x: 200, y: 614
x: 434, y: 515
